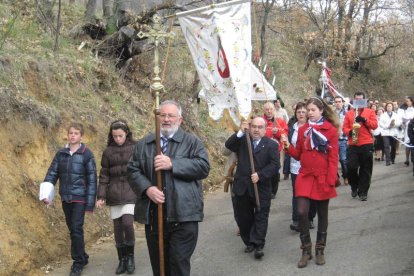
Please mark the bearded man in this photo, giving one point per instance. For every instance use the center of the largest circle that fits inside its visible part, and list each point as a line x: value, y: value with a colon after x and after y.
x: 184, y: 163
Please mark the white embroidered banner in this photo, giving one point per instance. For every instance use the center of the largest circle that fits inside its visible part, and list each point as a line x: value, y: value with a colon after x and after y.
x: 219, y: 38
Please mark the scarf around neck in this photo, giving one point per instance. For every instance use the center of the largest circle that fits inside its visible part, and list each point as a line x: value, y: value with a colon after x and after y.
x: 315, y: 140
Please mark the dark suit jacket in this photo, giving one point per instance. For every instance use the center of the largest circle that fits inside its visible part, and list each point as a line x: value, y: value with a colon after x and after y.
x: 266, y: 161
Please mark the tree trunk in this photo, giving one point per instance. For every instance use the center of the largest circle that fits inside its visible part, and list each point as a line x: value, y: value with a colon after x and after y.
x: 348, y: 30
x: 363, y: 31
x: 340, y: 25
x: 45, y: 16
x: 90, y: 10
x: 267, y: 8
x: 108, y: 6
x: 58, y: 25
x: 120, y: 12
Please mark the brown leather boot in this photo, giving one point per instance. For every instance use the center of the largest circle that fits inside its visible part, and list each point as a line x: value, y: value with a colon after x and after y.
x: 319, y: 248
x: 306, y: 250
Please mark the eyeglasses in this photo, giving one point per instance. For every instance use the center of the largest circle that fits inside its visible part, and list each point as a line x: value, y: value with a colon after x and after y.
x: 258, y: 127
x: 165, y: 116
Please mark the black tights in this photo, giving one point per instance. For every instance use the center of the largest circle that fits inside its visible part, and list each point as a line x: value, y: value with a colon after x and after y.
x: 303, y: 210
x: 124, y: 230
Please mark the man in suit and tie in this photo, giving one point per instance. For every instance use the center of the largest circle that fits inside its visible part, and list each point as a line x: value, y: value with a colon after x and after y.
x: 251, y: 221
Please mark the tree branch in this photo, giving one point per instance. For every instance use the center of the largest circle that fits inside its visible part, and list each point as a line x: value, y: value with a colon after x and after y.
x: 380, y: 54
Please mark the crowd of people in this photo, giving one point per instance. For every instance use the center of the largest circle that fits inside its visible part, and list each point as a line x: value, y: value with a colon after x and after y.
x: 308, y: 146
x: 314, y: 141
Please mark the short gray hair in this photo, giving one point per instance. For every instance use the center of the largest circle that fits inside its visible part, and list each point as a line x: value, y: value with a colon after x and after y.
x: 171, y: 102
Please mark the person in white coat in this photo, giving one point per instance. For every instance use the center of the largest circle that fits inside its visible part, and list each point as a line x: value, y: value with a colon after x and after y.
x: 407, y: 115
x: 389, y: 123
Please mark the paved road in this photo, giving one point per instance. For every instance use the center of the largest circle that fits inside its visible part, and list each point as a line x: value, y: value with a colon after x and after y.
x: 364, y: 238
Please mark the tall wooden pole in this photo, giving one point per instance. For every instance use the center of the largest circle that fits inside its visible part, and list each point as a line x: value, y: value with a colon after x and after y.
x: 250, y: 151
x: 155, y: 33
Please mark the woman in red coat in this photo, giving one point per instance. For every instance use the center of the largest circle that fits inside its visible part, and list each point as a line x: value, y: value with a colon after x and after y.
x: 317, y: 151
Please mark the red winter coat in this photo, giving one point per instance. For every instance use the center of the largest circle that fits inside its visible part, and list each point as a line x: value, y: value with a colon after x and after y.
x: 278, y: 123
x: 318, y: 171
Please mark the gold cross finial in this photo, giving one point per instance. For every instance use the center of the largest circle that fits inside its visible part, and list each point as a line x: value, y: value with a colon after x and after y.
x: 156, y: 33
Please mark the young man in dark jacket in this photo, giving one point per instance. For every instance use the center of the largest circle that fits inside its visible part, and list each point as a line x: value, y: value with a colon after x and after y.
x: 184, y: 163
x: 74, y: 166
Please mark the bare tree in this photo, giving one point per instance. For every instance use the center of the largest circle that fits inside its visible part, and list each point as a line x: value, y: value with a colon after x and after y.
x: 267, y: 7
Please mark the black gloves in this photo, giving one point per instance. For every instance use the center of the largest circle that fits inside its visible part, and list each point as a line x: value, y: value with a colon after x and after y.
x: 360, y: 119
x: 350, y: 133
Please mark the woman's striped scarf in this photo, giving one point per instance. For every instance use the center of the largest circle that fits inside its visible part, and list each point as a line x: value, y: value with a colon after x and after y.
x: 314, y: 139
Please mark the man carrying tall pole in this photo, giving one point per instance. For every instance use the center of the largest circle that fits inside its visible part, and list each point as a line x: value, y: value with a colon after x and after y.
x: 165, y: 171
x: 252, y: 220
x: 183, y: 163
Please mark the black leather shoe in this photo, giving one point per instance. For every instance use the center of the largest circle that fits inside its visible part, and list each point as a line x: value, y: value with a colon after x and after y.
x: 249, y: 249
x: 76, y: 270
x: 407, y: 163
x: 258, y: 253
x: 363, y: 197
x: 354, y: 194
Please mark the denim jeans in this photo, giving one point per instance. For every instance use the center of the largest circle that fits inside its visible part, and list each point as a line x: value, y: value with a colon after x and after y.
x: 75, y: 216
x: 342, y: 157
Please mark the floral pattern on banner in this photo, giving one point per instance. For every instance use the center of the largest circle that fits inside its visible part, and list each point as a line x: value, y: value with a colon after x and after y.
x: 220, y: 43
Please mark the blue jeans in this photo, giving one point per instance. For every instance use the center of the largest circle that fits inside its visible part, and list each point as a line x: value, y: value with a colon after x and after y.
x: 342, y: 157
x: 75, y: 217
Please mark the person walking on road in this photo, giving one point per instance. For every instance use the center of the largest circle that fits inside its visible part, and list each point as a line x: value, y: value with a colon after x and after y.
x: 294, y: 166
x: 408, y: 115
x: 252, y: 221
x: 75, y: 168
x: 390, y: 123
x: 343, y: 138
x: 275, y: 128
x: 184, y: 163
x: 114, y: 191
x: 360, y: 154
x: 410, y: 133
x: 317, y: 150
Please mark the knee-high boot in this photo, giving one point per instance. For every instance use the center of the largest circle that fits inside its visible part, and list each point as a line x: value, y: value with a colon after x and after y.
x: 320, y: 247
x: 306, y: 250
x: 130, y: 265
x: 122, y: 259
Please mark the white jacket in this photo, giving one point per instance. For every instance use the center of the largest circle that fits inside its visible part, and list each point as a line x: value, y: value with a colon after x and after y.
x: 378, y: 130
x: 385, y: 122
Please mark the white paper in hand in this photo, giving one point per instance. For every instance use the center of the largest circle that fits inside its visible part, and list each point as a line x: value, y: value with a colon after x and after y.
x: 47, y: 191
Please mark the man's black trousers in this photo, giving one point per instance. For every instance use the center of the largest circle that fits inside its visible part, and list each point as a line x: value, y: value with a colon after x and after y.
x: 360, y: 162
x: 180, y: 239
x: 252, y: 223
